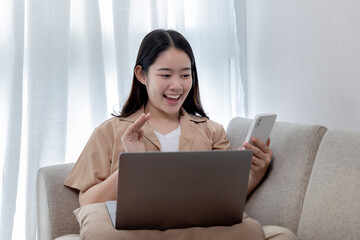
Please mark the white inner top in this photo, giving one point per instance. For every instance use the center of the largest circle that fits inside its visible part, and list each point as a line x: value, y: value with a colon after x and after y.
x: 170, y: 141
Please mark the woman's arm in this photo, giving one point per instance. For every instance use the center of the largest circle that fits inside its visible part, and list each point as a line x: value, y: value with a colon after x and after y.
x: 106, y: 190
x: 101, y: 192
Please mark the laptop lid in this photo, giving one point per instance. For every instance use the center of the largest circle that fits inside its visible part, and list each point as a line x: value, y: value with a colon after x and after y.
x: 164, y: 190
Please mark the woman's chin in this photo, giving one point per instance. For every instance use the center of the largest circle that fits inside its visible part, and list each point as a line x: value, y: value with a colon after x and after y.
x: 172, y: 109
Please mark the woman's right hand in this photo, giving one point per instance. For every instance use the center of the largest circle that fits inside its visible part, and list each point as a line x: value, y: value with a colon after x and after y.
x: 133, y: 136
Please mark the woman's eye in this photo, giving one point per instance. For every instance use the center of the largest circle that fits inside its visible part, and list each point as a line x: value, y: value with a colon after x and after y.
x: 166, y: 75
x: 186, y: 75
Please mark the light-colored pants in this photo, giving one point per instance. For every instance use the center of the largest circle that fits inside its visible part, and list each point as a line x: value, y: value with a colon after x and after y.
x: 95, y: 223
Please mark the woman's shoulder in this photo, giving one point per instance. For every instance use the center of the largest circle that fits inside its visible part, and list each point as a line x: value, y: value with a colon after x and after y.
x: 109, y: 123
x: 211, y: 131
x: 215, y: 127
x: 112, y: 125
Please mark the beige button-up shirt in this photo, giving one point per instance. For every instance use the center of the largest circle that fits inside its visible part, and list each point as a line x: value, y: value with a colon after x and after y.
x: 100, y: 157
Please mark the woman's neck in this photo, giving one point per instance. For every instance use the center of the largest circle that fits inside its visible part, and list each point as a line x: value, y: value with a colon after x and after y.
x: 163, y: 122
x: 158, y: 113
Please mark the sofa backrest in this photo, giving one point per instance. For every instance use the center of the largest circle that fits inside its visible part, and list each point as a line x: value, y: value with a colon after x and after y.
x: 279, y: 198
x: 56, y: 203
x: 332, y: 203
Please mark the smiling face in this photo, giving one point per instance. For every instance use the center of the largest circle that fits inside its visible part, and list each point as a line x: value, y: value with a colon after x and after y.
x: 168, y: 82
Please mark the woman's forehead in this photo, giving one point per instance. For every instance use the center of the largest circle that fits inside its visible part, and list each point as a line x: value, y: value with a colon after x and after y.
x: 172, y: 58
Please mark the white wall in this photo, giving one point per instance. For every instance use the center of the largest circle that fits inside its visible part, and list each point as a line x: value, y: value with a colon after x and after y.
x: 303, y: 60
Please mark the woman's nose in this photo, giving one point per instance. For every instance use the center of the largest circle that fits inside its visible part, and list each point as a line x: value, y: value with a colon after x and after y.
x: 176, y: 83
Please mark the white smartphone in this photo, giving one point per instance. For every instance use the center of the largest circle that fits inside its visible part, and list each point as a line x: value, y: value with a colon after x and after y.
x: 261, y: 127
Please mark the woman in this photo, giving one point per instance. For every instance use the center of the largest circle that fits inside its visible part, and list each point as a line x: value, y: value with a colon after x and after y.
x: 162, y: 113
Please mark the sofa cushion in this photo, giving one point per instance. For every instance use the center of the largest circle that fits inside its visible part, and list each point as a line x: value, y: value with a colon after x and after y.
x: 332, y: 207
x: 279, y: 198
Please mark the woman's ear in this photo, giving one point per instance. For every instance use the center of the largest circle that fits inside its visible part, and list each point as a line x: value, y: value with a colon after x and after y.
x: 138, y: 71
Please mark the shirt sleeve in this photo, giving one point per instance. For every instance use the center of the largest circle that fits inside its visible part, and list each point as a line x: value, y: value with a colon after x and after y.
x: 93, y: 165
x: 219, y: 138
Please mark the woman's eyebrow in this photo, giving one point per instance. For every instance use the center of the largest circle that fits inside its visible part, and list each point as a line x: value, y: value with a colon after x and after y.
x: 169, y: 69
x: 164, y: 69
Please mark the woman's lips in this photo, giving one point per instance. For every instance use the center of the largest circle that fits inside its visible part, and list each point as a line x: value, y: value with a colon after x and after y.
x: 172, y: 99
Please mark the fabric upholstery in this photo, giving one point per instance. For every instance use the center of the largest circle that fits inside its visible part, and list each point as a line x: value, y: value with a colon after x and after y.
x: 279, y: 199
x: 332, y: 207
x: 56, y: 203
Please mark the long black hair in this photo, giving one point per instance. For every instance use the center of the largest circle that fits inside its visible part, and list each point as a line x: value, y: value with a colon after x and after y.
x: 152, y: 45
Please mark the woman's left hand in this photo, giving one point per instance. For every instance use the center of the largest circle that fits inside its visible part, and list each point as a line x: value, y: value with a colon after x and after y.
x: 260, y: 161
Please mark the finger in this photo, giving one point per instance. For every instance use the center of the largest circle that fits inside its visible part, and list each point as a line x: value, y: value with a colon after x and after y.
x: 260, y: 163
x: 260, y: 144
x: 138, y: 124
x: 257, y: 151
x: 141, y: 135
x: 268, y: 142
x: 255, y: 166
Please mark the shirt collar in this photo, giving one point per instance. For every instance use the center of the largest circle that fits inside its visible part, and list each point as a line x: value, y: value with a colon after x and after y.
x: 191, y: 117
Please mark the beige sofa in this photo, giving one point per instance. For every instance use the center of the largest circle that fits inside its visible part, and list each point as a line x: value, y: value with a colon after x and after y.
x: 312, y: 186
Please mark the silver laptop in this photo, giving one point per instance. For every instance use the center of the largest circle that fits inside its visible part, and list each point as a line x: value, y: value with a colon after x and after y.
x: 164, y: 190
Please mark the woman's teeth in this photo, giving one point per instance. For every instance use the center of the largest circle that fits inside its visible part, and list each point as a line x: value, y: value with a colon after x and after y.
x: 172, y: 96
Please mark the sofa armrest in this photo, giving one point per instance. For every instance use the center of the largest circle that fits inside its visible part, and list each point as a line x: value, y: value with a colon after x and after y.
x: 332, y: 207
x: 56, y: 203
x: 278, y: 200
